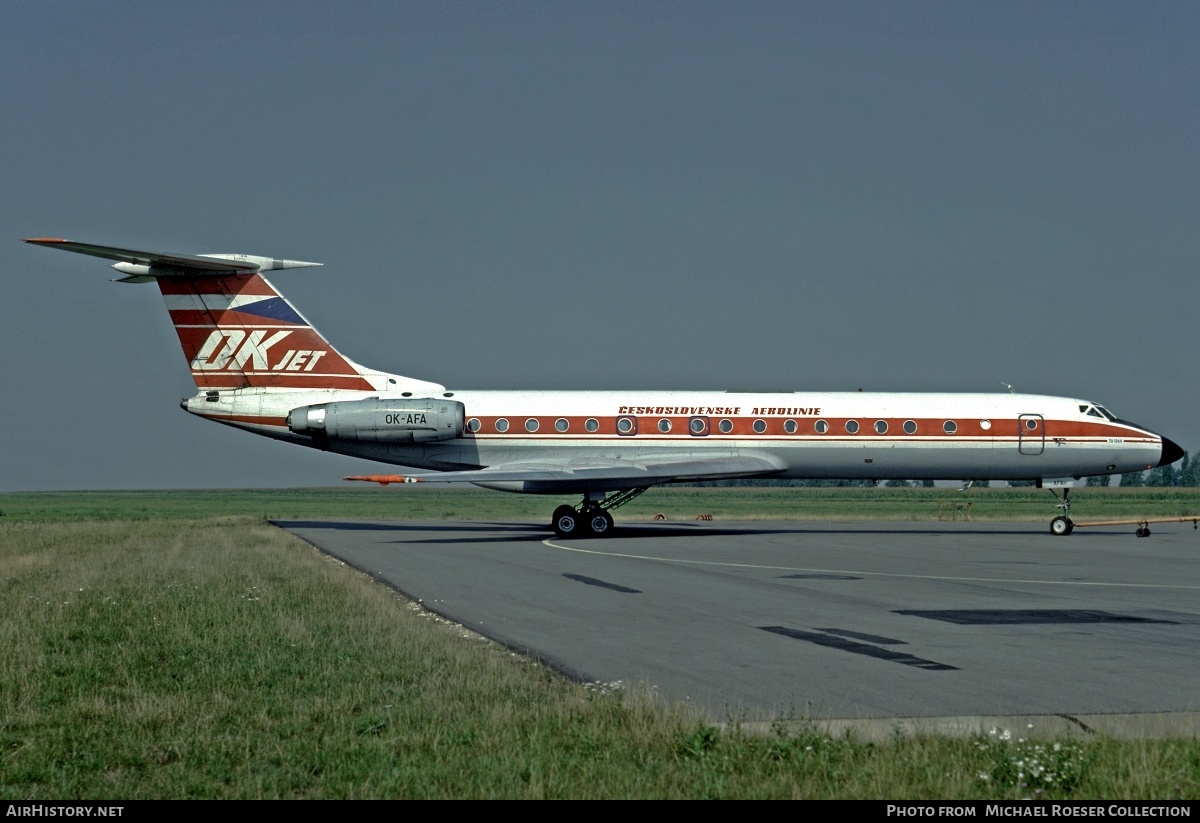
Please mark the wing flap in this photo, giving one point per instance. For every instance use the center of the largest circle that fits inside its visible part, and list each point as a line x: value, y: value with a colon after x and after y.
x: 646, y: 471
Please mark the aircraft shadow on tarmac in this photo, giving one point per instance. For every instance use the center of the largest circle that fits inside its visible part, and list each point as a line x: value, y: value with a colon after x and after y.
x: 473, y: 531
x: 402, y: 525
x: 698, y: 530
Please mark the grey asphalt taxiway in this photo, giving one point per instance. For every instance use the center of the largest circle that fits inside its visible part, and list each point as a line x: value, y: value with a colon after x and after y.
x: 850, y: 621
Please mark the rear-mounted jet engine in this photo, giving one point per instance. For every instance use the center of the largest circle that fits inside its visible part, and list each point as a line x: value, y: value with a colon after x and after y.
x: 380, y: 421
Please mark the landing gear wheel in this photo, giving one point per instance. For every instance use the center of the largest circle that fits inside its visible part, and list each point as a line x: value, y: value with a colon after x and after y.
x: 1061, y: 526
x: 1143, y: 531
x: 559, y: 512
x: 592, y: 516
x: 566, y: 521
x: 599, y: 523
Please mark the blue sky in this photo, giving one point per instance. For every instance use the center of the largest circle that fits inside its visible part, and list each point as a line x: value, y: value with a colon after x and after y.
x: 813, y: 196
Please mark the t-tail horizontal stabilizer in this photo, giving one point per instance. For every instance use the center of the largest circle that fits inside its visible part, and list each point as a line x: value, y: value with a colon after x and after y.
x: 236, y: 330
x: 146, y: 266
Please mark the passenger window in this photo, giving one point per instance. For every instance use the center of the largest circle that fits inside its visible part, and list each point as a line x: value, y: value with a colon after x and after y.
x: 473, y: 424
x: 852, y: 426
x: 531, y: 425
x: 726, y: 426
x: 696, y: 425
x: 501, y: 425
x: 625, y: 425
x: 910, y: 426
x: 664, y: 425
x: 789, y: 426
x: 821, y: 426
x: 591, y: 424
x: 760, y: 426
x: 561, y: 424
x: 881, y: 427
x: 949, y: 427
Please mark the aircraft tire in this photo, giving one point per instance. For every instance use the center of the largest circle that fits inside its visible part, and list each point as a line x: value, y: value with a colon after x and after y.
x: 1142, y: 532
x: 559, y: 512
x: 566, y: 521
x: 599, y: 523
x: 1061, y: 526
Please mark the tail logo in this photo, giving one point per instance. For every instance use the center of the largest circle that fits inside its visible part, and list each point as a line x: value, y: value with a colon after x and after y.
x: 233, y: 349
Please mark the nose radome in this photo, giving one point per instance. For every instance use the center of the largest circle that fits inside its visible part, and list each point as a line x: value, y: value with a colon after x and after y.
x: 1170, y: 452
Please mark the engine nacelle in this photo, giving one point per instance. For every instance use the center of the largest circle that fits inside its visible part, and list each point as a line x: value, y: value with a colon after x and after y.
x: 415, y: 420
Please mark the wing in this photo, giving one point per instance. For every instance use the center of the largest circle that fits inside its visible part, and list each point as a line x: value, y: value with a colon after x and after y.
x: 596, y: 475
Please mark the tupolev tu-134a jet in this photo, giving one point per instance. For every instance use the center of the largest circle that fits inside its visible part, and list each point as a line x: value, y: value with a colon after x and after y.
x: 260, y: 366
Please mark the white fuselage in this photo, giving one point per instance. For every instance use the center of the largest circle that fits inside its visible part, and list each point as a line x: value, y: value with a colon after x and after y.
x: 868, y: 435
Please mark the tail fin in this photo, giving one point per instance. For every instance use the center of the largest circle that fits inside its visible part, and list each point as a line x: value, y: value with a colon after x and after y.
x: 236, y: 330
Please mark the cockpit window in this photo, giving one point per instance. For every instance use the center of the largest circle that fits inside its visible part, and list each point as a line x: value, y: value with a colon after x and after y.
x: 1107, y: 413
x: 1094, y: 412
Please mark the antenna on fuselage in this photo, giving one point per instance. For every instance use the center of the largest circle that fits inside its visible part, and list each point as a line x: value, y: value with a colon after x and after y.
x: 1008, y: 386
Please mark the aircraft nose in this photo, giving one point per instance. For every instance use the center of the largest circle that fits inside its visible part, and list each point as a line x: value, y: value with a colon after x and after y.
x: 1170, y: 452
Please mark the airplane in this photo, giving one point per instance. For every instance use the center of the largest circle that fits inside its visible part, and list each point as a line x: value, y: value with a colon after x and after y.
x: 260, y: 366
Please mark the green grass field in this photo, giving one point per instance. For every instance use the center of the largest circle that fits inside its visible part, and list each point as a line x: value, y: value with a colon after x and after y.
x: 152, y: 650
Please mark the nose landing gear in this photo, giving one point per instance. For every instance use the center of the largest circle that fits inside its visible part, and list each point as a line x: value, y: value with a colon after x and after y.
x: 1063, y: 525
x: 591, y: 518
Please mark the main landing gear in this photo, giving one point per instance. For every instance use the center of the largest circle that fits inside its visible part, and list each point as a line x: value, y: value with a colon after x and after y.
x: 591, y: 518
x: 1063, y: 525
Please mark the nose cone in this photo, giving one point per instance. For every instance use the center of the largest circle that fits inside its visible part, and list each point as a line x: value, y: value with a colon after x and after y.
x: 1170, y: 452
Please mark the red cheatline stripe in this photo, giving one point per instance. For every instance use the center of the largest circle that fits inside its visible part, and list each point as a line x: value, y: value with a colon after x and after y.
x: 1001, y: 430
x: 246, y: 418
